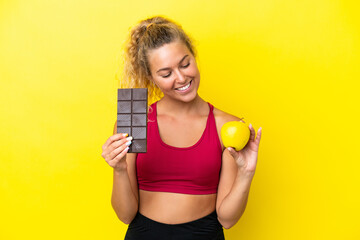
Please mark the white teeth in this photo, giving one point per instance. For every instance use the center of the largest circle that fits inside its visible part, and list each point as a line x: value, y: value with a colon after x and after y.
x: 184, y: 88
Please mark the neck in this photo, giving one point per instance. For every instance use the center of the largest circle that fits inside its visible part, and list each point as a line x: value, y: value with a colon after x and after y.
x: 178, y: 108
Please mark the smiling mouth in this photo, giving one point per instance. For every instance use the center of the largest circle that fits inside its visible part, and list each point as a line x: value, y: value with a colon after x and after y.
x: 185, y: 87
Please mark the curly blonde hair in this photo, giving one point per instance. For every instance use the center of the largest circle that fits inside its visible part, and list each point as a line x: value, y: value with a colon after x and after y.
x: 149, y: 34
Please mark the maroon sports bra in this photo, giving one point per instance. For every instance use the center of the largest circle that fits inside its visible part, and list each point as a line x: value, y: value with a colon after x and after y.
x: 190, y: 170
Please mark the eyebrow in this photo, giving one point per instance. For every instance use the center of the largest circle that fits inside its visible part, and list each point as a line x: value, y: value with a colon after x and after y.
x: 168, y: 67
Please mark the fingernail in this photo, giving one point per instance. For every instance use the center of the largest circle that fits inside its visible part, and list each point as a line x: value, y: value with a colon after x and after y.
x: 126, y: 149
x: 260, y: 128
x: 128, y: 143
x: 129, y: 138
x: 125, y: 134
x: 250, y: 125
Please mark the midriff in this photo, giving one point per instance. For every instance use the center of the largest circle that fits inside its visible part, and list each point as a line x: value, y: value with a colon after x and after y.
x: 175, y: 208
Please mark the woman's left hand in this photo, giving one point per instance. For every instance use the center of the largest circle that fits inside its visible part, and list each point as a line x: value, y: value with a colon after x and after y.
x: 246, y: 158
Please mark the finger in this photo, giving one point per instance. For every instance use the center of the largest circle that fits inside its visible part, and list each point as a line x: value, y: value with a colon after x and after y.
x: 233, y: 153
x: 258, y: 136
x: 114, y: 145
x: 119, y: 146
x: 121, y: 154
x: 252, y: 132
x: 119, y: 142
x: 109, y: 148
x: 113, y: 138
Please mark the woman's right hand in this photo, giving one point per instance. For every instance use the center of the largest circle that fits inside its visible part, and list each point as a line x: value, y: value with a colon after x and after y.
x: 114, y: 150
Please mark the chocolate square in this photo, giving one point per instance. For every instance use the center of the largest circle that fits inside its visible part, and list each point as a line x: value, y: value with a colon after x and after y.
x: 140, y: 94
x: 139, y: 107
x: 139, y: 145
x: 124, y: 120
x: 139, y: 120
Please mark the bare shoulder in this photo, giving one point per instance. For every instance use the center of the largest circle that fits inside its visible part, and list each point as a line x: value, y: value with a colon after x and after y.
x: 221, y: 118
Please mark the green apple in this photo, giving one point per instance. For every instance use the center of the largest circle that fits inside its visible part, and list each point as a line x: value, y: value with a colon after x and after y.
x: 235, y: 134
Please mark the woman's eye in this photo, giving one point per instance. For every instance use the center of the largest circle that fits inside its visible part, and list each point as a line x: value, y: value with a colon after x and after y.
x: 170, y: 72
x: 186, y: 65
x: 167, y: 75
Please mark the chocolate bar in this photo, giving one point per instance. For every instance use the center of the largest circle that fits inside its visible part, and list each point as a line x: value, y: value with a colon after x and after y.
x: 132, y: 116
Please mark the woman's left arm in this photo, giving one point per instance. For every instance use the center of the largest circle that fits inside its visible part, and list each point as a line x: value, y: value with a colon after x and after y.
x: 238, y: 169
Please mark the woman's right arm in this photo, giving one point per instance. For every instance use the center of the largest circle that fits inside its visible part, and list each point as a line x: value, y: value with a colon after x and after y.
x: 125, y: 195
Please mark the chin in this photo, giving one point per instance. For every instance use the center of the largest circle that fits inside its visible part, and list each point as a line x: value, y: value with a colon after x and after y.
x: 188, y: 98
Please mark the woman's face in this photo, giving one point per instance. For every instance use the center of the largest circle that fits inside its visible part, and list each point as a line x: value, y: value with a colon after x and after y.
x: 174, y: 70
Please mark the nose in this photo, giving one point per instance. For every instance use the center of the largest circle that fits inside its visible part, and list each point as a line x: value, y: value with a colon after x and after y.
x: 180, y: 76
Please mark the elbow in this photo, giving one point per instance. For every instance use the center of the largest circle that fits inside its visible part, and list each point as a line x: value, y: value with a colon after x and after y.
x: 226, y: 224
x: 125, y: 216
x: 126, y: 219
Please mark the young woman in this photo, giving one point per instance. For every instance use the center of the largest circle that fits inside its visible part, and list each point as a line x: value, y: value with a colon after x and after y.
x: 187, y: 185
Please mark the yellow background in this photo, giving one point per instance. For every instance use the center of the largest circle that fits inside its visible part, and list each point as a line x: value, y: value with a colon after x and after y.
x: 290, y: 67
